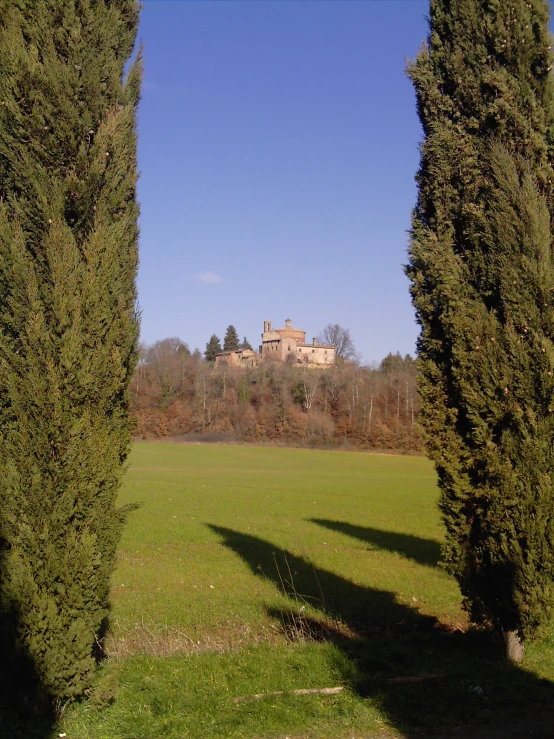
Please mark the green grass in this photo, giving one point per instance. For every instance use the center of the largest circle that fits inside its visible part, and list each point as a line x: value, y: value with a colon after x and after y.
x: 203, y: 504
x: 236, y: 549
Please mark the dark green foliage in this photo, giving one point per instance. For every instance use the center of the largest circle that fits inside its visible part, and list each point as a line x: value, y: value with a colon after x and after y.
x: 68, y: 323
x: 213, y: 347
x: 297, y: 392
x: 246, y: 344
x: 482, y: 275
x: 395, y: 364
x: 231, y: 340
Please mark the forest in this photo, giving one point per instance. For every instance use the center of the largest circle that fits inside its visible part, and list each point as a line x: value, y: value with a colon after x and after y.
x: 176, y: 393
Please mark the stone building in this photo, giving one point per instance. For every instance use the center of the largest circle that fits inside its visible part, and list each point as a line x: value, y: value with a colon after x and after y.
x: 238, y: 358
x: 287, y: 344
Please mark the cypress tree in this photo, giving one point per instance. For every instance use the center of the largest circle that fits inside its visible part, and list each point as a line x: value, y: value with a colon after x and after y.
x: 246, y: 344
x: 68, y: 322
x: 231, y: 341
x: 482, y: 282
x: 213, y: 347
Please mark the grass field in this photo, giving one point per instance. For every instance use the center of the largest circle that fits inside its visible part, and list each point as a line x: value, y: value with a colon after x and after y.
x: 252, y: 570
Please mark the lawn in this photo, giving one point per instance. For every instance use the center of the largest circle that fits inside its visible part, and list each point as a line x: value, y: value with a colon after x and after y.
x: 253, y: 570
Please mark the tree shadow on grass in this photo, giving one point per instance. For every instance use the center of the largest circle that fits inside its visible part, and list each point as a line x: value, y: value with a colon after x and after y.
x: 416, y: 671
x: 424, y: 551
x: 20, y: 712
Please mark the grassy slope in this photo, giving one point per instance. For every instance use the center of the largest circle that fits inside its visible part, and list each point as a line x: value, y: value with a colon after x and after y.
x: 198, y: 589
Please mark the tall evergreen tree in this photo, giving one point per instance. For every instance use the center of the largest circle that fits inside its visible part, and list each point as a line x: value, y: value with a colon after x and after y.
x: 213, y: 347
x: 246, y: 344
x: 68, y: 323
x: 231, y: 341
x: 482, y: 281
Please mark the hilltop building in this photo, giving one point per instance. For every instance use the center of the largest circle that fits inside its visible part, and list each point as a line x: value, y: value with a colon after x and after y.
x: 238, y: 358
x: 287, y: 344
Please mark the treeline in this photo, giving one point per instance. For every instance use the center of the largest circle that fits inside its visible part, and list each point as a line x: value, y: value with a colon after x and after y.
x: 176, y: 393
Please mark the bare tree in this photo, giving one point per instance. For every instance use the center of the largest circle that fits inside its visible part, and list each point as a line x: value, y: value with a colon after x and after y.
x: 340, y: 338
x: 168, y: 359
x: 310, y: 383
x: 372, y: 406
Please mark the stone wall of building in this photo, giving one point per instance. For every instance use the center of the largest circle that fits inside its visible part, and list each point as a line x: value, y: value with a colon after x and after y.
x: 239, y: 358
x: 316, y: 354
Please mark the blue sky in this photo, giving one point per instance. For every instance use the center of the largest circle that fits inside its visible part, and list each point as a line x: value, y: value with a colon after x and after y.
x: 278, y: 143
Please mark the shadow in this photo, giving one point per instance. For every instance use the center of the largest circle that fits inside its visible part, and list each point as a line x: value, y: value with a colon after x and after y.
x: 417, y: 672
x: 339, y: 599
x: 424, y: 551
x: 25, y: 711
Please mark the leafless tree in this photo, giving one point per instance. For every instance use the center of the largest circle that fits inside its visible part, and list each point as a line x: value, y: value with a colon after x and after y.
x: 310, y: 383
x: 168, y: 359
x: 175, y: 392
x: 340, y: 338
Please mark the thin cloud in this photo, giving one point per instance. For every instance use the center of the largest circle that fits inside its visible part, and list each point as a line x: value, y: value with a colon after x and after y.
x: 208, y: 278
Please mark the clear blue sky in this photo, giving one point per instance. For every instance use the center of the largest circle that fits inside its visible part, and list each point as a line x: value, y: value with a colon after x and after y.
x: 278, y: 143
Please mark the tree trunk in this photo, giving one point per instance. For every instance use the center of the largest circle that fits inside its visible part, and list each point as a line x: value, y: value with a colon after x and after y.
x: 514, y: 646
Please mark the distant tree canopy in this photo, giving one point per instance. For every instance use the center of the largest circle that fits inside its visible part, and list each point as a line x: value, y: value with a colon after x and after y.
x: 340, y: 338
x: 246, y: 344
x: 165, y: 358
x: 165, y: 349
x: 213, y: 347
x: 231, y: 341
x: 174, y: 393
x: 395, y: 363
